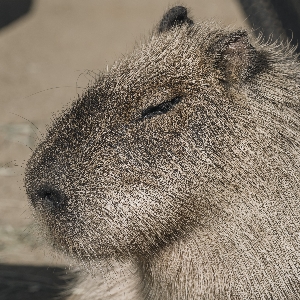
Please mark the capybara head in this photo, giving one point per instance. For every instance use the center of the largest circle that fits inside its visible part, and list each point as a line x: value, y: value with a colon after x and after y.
x: 193, y: 135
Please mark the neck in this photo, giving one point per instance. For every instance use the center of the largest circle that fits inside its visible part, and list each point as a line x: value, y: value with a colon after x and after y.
x: 229, y: 262
x: 111, y: 281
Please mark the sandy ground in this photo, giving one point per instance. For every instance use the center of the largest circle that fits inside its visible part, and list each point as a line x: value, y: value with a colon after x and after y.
x: 46, y: 58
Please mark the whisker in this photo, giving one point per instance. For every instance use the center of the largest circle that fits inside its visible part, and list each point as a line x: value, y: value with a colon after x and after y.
x: 52, y: 88
x: 30, y: 123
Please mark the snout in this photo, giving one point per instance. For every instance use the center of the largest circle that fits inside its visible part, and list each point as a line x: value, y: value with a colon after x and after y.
x: 47, y: 196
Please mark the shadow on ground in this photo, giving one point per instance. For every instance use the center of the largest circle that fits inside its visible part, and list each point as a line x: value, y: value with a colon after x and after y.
x: 32, y: 283
x: 11, y: 10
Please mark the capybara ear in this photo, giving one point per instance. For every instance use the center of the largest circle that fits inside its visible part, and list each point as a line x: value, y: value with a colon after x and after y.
x: 236, y: 58
x: 176, y: 16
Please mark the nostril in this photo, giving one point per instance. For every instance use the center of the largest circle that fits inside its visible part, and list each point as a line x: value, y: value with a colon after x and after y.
x: 50, y: 196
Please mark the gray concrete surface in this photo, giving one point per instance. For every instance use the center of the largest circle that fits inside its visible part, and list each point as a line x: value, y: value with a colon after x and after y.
x: 46, y: 59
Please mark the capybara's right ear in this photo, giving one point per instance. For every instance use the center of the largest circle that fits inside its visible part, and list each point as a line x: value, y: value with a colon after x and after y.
x: 176, y: 16
x: 236, y: 58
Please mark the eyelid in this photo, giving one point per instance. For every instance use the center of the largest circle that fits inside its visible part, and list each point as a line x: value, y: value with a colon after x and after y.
x: 161, y: 108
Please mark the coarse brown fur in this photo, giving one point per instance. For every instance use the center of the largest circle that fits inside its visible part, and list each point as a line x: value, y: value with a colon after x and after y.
x: 180, y: 169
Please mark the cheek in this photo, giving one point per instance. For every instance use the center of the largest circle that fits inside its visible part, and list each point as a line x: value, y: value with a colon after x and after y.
x: 141, y: 208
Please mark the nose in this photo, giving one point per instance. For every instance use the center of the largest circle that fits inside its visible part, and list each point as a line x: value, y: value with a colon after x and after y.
x: 49, y: 196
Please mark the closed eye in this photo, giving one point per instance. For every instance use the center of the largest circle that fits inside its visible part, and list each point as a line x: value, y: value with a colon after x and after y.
x: 160, y: 109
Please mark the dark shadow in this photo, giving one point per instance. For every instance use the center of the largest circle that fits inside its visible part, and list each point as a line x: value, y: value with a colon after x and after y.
x: 278, y: 19
x: 19, y: 282
x: 11, y: 10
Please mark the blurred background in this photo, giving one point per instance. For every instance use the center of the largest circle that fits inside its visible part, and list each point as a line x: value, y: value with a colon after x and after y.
x: 49, y: 51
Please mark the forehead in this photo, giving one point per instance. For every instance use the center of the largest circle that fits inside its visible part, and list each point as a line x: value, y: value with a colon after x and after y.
x: 164, y: 57
x: 170, y: 64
